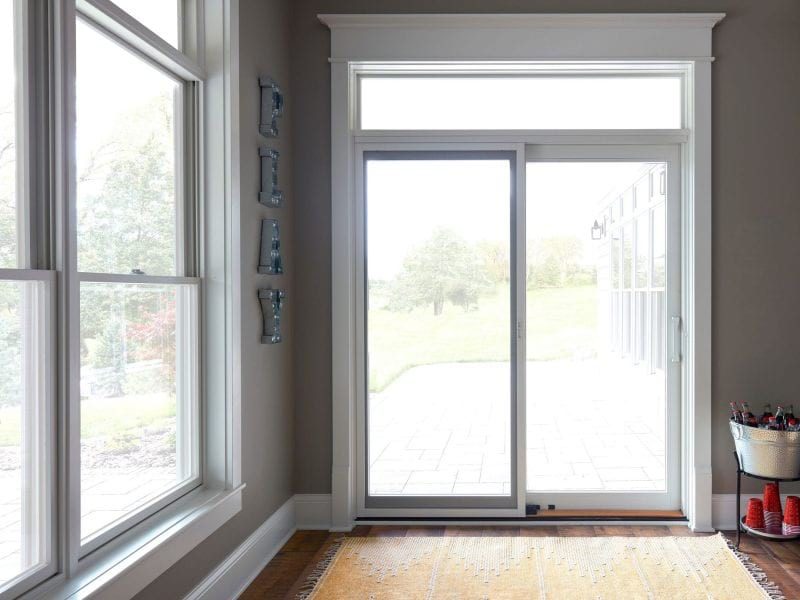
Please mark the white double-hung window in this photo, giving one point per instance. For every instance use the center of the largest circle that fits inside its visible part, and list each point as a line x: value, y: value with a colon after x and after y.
x: 107, y: 418
x: 138, y: 292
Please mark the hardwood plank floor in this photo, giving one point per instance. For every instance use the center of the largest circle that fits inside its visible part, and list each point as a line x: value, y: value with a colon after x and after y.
x: 285, y: 573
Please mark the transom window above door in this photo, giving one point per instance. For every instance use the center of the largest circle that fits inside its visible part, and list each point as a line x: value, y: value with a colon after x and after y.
x: 431, y: 100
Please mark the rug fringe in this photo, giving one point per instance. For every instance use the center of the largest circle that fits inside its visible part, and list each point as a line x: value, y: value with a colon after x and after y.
x: 310, y: 584
x: 758, y: 575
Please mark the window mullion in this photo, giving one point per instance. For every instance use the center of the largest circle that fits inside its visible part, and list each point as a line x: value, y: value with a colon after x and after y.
x: 64, y: 190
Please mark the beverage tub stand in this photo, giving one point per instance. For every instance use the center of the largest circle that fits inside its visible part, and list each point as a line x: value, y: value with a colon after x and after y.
x: 741, y: 526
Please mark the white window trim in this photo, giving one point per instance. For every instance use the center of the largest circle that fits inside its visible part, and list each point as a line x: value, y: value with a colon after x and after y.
x: 127, y: 563
x: 626, y: 40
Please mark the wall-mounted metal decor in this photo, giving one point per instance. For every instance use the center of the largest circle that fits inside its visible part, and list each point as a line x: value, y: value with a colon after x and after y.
x: 270, y: 262
x: 269, y: 195
x: 271, y: 305
x: 271, y: 106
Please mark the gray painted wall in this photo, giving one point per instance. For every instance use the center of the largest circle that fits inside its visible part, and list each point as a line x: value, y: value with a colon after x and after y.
x: 756, y: 222
x: 287, y: 420
x: 267, y: 396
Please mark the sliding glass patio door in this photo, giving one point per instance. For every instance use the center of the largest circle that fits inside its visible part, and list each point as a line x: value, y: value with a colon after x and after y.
x: 438, y: 289
x: 519, y: 327
x: 602, y: 337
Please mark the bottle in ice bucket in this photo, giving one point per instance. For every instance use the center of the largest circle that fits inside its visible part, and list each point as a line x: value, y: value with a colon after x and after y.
x: 780, y: 419
x: 767, y: 414
x: 748, y: 418
x: 736, y: 414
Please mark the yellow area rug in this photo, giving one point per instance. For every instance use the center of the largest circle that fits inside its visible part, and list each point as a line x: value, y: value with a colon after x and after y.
x: 676, y: 568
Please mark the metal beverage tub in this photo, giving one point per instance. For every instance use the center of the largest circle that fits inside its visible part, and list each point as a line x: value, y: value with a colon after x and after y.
x: 766, y: 453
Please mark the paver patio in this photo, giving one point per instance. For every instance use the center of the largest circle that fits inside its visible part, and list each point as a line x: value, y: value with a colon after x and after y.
x: 108, y: 495
x: 591, y: 425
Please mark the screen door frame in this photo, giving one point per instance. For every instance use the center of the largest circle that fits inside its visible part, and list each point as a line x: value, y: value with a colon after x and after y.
x: 512, y: 505
x: 670, y: 154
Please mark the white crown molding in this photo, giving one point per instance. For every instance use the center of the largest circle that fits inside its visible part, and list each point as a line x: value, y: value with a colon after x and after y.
x: 521, y: 37
x: 522, y: 20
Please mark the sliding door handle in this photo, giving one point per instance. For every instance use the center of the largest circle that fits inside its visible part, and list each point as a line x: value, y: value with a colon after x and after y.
x: 675, y: 339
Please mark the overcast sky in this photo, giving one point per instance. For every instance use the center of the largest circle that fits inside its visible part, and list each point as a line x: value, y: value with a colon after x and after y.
x: 408, y: 200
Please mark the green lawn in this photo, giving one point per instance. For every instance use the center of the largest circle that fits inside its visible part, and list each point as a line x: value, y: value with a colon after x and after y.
x: 561, y: 324
x: 112, y: 417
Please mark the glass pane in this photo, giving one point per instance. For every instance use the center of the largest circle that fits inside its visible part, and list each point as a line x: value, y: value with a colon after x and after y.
x: 438, y: 327
x: 627, y: 253
x: 641, y: 191
x: 588, y: 343
x: 138, y: 411
x: 627, y: 203
x: 8, y: 141
x: 521, y: 102
x: 24, y: 488
x: 616, y: 267
x: 642, y: 250
x: 126, y: 160
x: 641, y: 327
x: 659, y: 246
x: 160, y: 16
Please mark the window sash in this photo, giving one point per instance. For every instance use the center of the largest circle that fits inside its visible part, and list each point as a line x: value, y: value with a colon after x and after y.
x: 105, y: 17
x: 39, y: 353
x: 132, y: 33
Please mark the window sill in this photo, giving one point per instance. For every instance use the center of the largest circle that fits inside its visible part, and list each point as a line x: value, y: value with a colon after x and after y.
x: 128, y: 564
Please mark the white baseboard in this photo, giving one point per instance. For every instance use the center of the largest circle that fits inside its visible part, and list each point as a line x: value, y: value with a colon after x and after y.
x: 723, y: 508
x: 232, y: 576
x: 313, y: 511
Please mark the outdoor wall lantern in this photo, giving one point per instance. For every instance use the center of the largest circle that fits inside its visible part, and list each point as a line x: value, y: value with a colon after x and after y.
x: 271, y: 106
x: 269, y: 195
x: 271, y: 305
x: 598, y: 231
x: 270, y: 261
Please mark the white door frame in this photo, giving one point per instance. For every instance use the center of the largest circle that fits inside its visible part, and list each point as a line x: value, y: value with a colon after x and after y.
x: 682, y: 40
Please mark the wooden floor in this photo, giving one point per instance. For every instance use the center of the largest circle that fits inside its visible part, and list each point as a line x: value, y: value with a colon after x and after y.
x: 286, y: 572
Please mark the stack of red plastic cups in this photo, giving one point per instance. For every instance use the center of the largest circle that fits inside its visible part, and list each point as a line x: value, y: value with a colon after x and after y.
x: 791, y: 519
x: 755, y: 514
x: 773, y: 514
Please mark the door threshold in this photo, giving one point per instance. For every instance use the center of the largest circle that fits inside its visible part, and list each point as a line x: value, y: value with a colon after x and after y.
x: 574, y: 516
x: 606, y: 515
